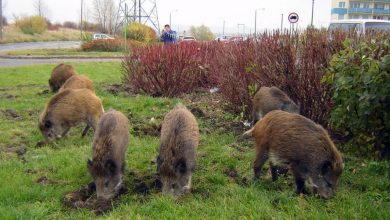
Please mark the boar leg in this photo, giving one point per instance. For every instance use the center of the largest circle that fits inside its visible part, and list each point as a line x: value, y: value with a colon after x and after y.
x: 299, y: 180
x: 274, y: 172
x: 258, y: 163
x: 85, y: 131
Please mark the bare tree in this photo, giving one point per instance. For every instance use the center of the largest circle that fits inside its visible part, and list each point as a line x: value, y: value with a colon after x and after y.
x: 41, y: 8
x: 105, y: 14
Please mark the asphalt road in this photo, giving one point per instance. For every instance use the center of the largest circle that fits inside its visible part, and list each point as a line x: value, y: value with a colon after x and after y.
x: 7, y: 62
x: 11, y: 62
x: 39, y: 45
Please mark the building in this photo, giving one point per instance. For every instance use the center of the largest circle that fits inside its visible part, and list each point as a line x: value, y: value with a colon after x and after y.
x: 360, y: 9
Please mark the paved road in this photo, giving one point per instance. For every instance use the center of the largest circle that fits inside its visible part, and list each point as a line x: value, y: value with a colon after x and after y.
x: 39, y: 45
x: 7, y: 62
x: 10, y: 62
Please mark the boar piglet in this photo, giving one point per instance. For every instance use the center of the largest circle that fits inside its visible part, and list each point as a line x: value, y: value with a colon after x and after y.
x: 108, y: 154
x: 69, y: 108
x: 268, y: 99
x: 59, y: 75
x: 78, y: 82
x: 177, y: 157
x: 293, y: 141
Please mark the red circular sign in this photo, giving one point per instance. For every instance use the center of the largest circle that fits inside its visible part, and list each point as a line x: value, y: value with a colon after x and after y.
x: 293, y: 17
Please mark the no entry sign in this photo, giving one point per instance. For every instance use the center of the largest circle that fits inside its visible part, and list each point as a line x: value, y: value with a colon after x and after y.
x: 293, y: 18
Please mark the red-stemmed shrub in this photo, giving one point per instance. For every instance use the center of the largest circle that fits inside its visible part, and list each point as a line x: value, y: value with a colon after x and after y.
x: 168, y: 70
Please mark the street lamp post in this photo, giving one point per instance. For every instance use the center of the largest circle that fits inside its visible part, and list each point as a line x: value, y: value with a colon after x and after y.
x: 170, y: 17
x: 223, y: 28
x: 256, y: 19
x: 312, y: 12
x: 281, y: 23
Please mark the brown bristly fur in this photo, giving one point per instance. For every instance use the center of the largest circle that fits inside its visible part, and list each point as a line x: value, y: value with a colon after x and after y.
x: 271, y: 98
x: 59, y: 75
x: 78, y: 82
x: 69, y: 108
x: 294, y: 141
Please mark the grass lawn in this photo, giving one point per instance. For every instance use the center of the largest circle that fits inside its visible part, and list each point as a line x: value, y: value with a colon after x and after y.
x: 222, y: 183
x: 64, y: 52
x: 13, y: 34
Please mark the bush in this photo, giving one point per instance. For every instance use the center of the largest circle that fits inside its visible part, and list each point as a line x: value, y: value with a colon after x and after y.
x: 168, y: 70
x: 107, y: 45
x: 140, y: 32
x: 201, y: 33
x: 294, y: 62
x: 32, y: 25
x: 360, y: 78
x: 70, y: 24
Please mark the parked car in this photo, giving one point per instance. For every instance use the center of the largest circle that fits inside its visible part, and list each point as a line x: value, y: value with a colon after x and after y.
x: 361, y: 26
x: 97, y: 36
x: 223, y: 38
x: 188, y: 38
x: 236, y: 39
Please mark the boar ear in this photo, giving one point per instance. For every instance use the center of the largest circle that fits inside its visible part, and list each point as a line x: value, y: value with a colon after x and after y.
x: 48, y: 124
x: 111, y: 166
x: 326, y: 166
x: 181, y: 165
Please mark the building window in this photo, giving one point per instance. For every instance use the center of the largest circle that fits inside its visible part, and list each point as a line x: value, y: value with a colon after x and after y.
x: 341, y: 17
x: 378, y: 17
x: 341, y: 4
x: 354, y: 16
x: 355, y: 5
x: 380, y: 6
x: 364, y: 16
x: 366, y: 5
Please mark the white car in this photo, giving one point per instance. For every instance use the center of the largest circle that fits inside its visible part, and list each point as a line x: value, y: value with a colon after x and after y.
x: 101, y: 36
x: 188, y: 38
x: 361, y: 26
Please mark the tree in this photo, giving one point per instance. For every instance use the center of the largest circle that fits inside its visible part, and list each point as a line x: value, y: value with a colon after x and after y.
x: 202, y: 33
x: 41, y: 8
x: 105, y: 14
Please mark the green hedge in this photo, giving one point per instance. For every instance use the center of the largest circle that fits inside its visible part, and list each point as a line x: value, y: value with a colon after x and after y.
x: 360, y: 78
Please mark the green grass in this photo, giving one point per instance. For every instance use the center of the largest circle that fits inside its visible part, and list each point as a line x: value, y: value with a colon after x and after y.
x: 65, y: 52
x: 364, y: 191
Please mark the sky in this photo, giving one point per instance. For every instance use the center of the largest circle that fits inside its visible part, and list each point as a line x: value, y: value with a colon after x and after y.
x: 212, y: 13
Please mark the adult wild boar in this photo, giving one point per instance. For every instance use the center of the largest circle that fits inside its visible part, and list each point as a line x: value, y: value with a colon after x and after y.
x: 108, y: 154
x: 293, y: 141
x: 178, y: 143
x: 67, y: 109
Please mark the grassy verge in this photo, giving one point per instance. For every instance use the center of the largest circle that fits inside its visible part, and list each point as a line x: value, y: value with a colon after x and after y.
x: 222, y: 185
x: 13, y: 34
x: 65, y: 52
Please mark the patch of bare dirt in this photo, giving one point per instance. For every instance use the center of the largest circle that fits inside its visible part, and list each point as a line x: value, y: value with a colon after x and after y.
x: 117, y: 89
x: 85, y: 197
x: 44, y: 180
x: 9, y: 96
x: 10, y: 113
x: 19, y: 151
x: 212, y: 108
x: 43, y: 92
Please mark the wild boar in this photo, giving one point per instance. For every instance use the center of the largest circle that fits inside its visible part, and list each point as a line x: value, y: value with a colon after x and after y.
x: 109, y: 149
x: 59, y: 75
x: 67, y: 109
x: 178, y: 143
x: 78, y: 82
x: 294, y: 141
x: 271, y: 98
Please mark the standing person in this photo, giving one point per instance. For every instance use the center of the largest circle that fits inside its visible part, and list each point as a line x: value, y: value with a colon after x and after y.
x: 168, y: 35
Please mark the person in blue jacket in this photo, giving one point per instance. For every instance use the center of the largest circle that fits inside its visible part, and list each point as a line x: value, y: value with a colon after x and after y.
x: 168, y: 35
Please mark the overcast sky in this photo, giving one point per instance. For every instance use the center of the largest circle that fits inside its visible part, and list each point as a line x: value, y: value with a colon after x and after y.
x: 196, y: 12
